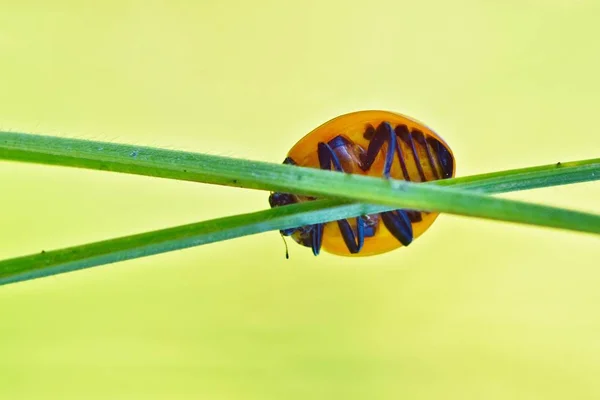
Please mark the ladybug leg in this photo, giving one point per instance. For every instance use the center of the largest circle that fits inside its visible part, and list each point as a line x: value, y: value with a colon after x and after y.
x: 353, y: 241
x: 288, y: 232
x: 283, y: 198
x: 327, y: 156
x: 397, y: 221
x: 383, y: 133
x: 317, y: 238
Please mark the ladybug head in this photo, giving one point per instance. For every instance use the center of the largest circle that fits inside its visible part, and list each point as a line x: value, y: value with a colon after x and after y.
x: 281, y: 199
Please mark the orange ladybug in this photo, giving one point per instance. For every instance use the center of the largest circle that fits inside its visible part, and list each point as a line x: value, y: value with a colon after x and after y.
x: 374, y: 143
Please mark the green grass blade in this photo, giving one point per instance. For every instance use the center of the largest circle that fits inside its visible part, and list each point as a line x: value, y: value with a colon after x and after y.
x: 529, y: 178
x: 185, y: 236
x: 100, y: 253
x: 145, y: 244
x: 267, y: 176
x: 226, y: 171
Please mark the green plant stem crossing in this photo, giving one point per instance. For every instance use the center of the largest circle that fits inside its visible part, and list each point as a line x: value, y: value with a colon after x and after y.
x: 349, y: 196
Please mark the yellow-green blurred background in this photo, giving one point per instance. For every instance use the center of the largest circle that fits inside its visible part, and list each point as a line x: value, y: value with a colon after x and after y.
x: 474, y: 309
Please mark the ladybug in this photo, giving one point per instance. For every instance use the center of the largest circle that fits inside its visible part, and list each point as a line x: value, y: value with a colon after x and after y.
x: 373, y: 143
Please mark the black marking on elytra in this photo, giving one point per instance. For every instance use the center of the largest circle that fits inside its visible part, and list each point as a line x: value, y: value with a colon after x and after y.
x: 414, y: 216
x: 399, y: 225
x: 420, y: 138
x: 434, y: 146
x: 400, y: 153
x: 404, y: 135
x: 289, y: 160
x: 369, y: 132
x: 444, y: 157
x: 413, y: 146
x: 383, y: 133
